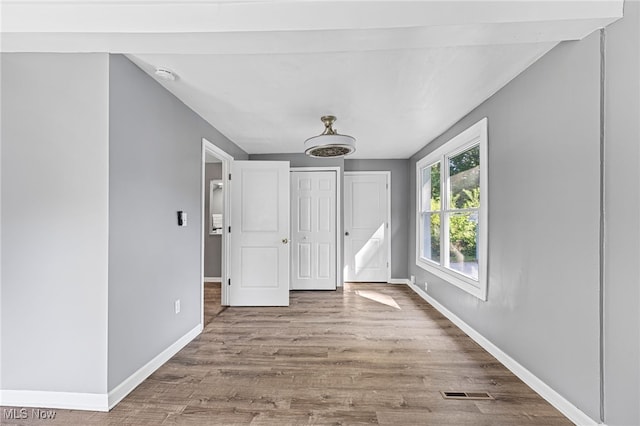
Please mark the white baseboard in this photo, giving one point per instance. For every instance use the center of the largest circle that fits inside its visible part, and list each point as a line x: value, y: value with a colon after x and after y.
x: 94, y: 401
x: 61, y: 400
x: 212, y: 279
x: 399, y: 281
x: 554, y: 398
x: 123, y: 389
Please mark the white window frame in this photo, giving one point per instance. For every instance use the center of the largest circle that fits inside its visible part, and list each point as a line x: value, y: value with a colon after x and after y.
x: 474, y: 135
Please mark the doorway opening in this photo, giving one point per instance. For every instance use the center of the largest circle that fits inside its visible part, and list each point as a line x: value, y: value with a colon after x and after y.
x: 367, y: 218
x: 214, y: 229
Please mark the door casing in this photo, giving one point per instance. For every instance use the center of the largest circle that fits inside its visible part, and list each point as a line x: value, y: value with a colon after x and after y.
x: 226, y: 159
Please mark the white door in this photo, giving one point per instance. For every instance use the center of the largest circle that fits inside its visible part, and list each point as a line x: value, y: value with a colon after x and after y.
x: 313, y: 230
x: 366, y: 226
x: 259, y: 219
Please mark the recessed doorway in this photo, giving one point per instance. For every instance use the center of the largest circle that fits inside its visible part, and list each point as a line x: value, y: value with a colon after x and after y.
x: 367, y: 217
x: 215, y: 240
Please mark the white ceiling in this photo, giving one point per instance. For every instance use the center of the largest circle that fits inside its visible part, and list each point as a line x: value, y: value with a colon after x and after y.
x: 395, y: 73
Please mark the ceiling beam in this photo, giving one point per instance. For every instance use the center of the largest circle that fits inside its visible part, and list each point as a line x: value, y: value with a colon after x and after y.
x: 292, y: 42
x: 279, y: 27
x: 152, y: 16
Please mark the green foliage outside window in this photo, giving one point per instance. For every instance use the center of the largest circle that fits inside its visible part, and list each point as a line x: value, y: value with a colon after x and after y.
x: 463, y: 227
x: 465, y: 194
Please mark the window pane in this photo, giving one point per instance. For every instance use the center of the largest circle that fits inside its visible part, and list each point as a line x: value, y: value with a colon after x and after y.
x: 431, y: 188
x: 463, y: 243
x: 464, y: 179
x: 431, y: 234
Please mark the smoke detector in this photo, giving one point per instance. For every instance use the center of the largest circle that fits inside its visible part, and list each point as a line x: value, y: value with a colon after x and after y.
x: 165, y: 74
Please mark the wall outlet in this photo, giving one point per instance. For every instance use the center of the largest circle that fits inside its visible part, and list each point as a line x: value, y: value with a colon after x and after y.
x: 176, y: 304
x: 413, y: 279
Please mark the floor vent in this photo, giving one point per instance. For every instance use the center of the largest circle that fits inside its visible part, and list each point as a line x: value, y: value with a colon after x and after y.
x: 465, y: 395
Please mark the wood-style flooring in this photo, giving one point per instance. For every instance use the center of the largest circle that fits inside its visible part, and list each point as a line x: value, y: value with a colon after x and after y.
x: 365, y: 354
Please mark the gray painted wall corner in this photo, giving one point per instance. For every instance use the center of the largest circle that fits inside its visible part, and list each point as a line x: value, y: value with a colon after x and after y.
x: 544, y: 119
x: 155, y: 145
x: 622, y: 228
x: 542, y: 307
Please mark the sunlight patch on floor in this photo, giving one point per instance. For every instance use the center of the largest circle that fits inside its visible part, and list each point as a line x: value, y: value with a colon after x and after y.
x: 378, y: 297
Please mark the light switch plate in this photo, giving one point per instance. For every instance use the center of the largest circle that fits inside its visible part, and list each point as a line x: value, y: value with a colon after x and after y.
x: 182, y: 218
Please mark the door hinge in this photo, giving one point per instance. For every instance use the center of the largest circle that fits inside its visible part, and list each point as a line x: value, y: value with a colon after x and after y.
x: 229, y: 229
x: 387, y: 185
x: 387, y: 225
x: 229, y: 281
x: 387, y: 264
x: 229, y: 176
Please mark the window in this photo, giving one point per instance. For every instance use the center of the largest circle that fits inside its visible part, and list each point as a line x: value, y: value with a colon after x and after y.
x: 452, y: 211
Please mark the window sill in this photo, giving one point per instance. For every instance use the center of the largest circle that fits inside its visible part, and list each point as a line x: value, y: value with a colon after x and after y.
x: 477, y: 289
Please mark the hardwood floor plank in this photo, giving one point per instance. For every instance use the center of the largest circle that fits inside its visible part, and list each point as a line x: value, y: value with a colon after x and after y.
x: 364, y: 354
x: 420, y: 417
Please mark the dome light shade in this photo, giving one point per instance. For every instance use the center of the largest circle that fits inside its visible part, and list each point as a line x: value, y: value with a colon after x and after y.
x: 329, y: 144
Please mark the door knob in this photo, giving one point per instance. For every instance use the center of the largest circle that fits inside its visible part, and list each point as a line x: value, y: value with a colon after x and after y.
x: 346, y: 233
x: 285, y: 240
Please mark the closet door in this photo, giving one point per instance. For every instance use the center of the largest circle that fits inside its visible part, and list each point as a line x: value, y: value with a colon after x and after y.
x: 313, y: 230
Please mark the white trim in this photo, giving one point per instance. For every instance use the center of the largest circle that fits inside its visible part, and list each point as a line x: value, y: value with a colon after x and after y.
x: 202, y: 225
x: 554, y: 398
x: 455, y: 279
x: 130, y: 383
x: 339, y: 240
x: 339, y: 277
x: 212, y: 279
x: 61, y: 400
x: 474, y: 135
x: 399, y: 281
x: 389, y: 255
x: 226, y: 159
x: 387, y: 174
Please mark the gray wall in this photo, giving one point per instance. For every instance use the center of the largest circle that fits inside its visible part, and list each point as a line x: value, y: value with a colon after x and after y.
x: 212, y: 243
x: 54, y: 222
x: 543, y: 288
x: 622, y: 201
x: 155, y: 149
x: 543, y: 306
x: 399, y: 202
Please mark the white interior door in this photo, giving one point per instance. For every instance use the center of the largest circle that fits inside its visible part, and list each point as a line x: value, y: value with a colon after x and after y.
x: 366, y: 226
x: 313, y: 230
x: 259, y: 234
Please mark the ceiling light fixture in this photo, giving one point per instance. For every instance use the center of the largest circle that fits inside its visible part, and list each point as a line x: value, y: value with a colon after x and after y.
x: 329, y: 143
x: 165, y: 74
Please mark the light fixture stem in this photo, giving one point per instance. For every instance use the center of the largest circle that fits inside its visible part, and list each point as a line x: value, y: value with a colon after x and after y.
x: 328, y: 122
